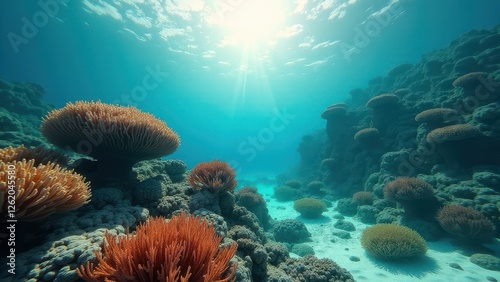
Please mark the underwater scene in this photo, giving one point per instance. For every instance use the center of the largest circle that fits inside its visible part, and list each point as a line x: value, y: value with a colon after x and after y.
x: 250, y: 140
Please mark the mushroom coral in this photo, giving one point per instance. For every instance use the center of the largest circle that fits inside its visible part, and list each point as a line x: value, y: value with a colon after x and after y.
x: 437, y: 116
x: 385, y: 109
x: 464, y: 145
x: 118, y: 137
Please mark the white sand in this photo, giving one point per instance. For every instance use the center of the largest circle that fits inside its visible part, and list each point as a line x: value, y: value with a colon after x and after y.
x: 433, y: 267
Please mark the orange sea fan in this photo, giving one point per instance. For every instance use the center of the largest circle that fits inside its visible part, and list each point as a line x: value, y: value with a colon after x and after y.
x: 185, y: 248
x: 41, y: 190
x: 215, y: 176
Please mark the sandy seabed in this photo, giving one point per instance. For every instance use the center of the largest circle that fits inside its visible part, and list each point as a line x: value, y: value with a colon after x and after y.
x: 435, y: 266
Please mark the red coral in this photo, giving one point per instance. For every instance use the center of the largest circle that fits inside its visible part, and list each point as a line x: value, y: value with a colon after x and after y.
x: 183, y: 249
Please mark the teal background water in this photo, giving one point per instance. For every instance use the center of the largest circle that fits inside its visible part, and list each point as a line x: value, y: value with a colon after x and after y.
x: 223, y: 99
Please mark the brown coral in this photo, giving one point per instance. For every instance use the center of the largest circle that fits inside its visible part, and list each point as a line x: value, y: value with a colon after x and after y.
x: 453, y: 133
x: 469, y: 80
x: 386, y: 109
x: 367, y: 134
x: 413, y: 194
x: 383, y: 100
x: 183, y: 249
x: 465, y: 222
x: 363, y: 198
x: 40, y: 190
x: 40, y: 154
x: 407, y: 189
x: 333, y: 112
x: 215, y: 176
x: 437, y: 116
x: 116, y: 136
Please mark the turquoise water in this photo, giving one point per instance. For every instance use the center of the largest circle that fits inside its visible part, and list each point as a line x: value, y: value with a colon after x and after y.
x: 225, y: 73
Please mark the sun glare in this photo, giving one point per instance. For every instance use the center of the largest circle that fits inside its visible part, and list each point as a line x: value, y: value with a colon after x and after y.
x: 252, y: 21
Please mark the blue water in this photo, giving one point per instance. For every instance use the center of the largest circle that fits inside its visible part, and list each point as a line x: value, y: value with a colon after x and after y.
x: 247, y: 100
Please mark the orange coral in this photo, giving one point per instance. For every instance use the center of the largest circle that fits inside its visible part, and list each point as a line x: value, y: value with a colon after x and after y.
x: 215, y: 176
x: 116, y: 136
x: 465, y: 222
x: 42, y: 190
x: 185, y: 248
x: 40, y: 154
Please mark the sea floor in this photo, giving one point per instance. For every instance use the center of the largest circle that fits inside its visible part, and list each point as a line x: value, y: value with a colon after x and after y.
x: 435, y: 266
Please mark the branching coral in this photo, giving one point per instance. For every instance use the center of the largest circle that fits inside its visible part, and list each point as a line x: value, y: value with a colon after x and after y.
x: 215, y: 176
x: 183, y: 249
x: 116, y: 136
x: 465, y: 222
x: 41, y: 190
